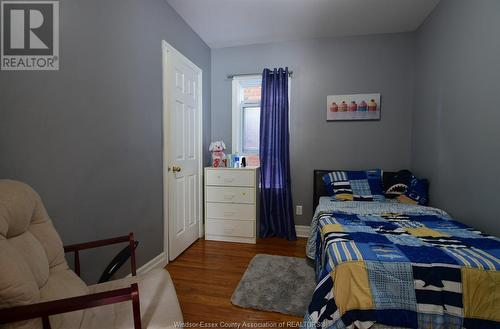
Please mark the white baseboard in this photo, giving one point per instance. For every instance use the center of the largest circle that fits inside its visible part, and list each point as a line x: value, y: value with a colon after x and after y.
x: 302, y: 231
x: 159, y: 261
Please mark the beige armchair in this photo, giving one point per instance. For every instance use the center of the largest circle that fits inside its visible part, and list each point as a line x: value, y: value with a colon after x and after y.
x: 39, y: 290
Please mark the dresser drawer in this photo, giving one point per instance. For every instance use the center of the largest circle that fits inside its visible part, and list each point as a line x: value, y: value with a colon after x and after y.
x: 230, y: 211
x: 227, y: 227
x: 230, y: 194
x: 230, y: 177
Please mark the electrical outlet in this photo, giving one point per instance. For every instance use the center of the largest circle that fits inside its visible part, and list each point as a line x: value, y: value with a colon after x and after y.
x: 298, y: 210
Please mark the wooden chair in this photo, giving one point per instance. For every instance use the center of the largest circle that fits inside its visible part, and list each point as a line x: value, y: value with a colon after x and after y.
x: 38, y: 290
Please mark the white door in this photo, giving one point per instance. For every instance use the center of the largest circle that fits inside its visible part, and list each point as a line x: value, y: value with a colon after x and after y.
x: 182, y: 153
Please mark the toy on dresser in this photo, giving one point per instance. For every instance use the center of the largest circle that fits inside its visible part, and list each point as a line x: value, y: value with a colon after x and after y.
x: 219, y: 158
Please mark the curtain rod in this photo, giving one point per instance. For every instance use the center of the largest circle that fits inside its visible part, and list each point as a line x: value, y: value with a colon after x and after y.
x: 230, y: 76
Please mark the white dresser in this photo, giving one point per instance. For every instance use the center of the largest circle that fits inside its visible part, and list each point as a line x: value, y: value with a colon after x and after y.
x: 231, y: 204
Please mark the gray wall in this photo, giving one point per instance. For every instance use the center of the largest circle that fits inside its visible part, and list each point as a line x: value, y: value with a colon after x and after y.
x: 88, y: 138
x: 367, y: 64
x: 456, y: 135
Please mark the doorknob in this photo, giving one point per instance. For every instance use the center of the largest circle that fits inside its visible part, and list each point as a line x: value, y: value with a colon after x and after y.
x: 176, y: 169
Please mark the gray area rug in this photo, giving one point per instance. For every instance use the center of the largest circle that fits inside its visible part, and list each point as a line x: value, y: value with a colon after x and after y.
x: 276, y: 283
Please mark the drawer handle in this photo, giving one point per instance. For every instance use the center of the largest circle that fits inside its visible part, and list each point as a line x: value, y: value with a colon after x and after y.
x: 228, y: 230
x: 228, y: 180
x: 228, y: 213
x: 228, y: 196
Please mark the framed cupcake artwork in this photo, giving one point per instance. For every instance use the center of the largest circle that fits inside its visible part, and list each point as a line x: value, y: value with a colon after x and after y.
x: 353, y: 107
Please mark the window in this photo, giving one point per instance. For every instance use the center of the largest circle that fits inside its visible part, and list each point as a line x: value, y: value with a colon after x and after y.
x: 246, y: 114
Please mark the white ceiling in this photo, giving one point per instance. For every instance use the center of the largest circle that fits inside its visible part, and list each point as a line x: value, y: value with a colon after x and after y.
x: 226, y: 23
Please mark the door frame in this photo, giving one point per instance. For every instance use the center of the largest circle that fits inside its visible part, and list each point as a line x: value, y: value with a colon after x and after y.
x: 166, y: 49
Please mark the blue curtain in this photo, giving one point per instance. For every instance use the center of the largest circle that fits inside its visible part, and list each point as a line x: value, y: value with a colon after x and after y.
x: 276, y: 210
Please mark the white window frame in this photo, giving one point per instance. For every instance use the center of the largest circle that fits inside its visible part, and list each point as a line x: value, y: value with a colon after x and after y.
x: 237, y: 120
x: 237, y: 113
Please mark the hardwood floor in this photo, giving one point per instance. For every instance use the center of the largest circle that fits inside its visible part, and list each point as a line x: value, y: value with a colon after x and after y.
x: 207, y: 273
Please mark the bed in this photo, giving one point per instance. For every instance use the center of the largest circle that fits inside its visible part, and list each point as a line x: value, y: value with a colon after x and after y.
x: 384, y: 264
x: 323, y: 205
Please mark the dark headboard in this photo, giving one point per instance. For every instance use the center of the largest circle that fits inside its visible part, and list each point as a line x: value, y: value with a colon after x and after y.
x: 320, y: 189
